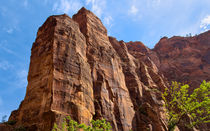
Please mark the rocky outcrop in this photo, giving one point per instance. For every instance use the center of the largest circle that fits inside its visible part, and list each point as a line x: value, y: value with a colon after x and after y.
x: 59, y: 79
x: 77, y: 70
x: 185, y: 59
x: 182, y: 59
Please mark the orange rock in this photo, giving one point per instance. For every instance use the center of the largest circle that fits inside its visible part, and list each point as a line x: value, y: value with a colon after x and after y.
x: 77, y: 70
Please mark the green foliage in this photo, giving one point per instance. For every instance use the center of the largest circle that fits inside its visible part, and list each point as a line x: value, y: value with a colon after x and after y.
x: 71, y: 125
x: 142, y: 110
x: 179, y: 103
x: 11, y: 122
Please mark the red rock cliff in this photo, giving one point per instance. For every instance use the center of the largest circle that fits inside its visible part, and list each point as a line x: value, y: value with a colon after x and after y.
x: 77, y: 70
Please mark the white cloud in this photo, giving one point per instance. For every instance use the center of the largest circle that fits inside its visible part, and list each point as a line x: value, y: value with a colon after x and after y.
x: 22, y: 78
x: 205, y: 22
x: 4, y: 65
x: 97, y: 6
x: 67, y: 6
x: 8, y: 30
x: 108, y: 20
x: 3, y: 46
x: 133, y: 10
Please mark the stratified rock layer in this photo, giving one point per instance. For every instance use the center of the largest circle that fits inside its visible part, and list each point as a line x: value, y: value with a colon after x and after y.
x: 77, y: 70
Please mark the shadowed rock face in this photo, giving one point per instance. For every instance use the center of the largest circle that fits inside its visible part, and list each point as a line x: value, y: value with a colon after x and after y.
x: 77, y: 70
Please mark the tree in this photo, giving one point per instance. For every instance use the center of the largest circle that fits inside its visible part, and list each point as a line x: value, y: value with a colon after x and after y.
x: 71, y: 125
x: 180, y: 103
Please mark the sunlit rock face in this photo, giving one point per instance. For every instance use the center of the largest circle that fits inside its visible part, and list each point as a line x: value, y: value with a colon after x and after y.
x: 185, y: 59
x: 182, y: 59
x: 77, y: 70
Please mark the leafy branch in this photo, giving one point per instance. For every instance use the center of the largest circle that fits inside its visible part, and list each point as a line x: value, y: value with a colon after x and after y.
x: 180, y: 103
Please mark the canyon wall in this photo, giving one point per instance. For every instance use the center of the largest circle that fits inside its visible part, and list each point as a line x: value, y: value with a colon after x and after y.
x: 77, y: 70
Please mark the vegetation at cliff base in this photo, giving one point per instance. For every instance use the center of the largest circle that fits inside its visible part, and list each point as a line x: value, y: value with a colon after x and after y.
x: 71, y: 125
x: 180, y: 104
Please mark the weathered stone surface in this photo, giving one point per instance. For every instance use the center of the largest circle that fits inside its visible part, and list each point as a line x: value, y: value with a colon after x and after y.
x: 59, y: 80
x: 112, y: 99
x: 77, y: 70
x: 185, y: 59
x: 5, y: 127
x: 182, y: 59
x: 144, y: 86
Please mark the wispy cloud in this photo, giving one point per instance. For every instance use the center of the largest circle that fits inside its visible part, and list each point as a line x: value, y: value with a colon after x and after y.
x: 133, y: 10
x: 22, y: 78
x: 205, y: 22
x: 8, y: 30
x: 67, y: 6
x: 97, y: 6
x: 5, y: 65
x: 3, y: 46
x: 108, y: 21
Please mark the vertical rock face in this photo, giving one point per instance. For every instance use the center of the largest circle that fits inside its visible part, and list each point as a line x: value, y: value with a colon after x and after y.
x: 185, y: 59
x: 77, y: 70
x: 38, y: 99
x: 59, y: 80
x: 182, y: 59
x: 111, y: 96
x: 141, y: 81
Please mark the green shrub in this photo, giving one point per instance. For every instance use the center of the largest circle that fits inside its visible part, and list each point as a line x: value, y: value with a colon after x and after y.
x: 71, y: 125
x: 179, y: 104
x: 12, y: 122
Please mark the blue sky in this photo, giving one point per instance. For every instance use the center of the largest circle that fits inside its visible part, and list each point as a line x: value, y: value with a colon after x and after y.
x: 128, y: 20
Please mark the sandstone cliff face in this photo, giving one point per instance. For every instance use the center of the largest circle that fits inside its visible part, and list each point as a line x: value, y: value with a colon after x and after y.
x: 185, y: 59
x: 182, y: 59
x: 59, y: 81
x: 77, y: 70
